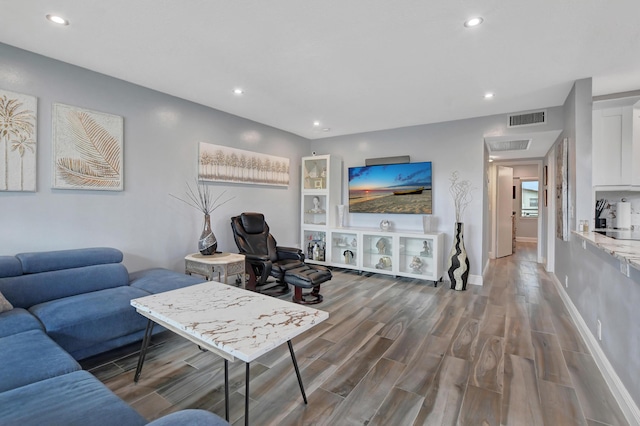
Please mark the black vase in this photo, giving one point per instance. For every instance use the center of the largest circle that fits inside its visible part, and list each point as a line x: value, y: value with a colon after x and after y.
x: 207, y: 244
x: 458, y: 266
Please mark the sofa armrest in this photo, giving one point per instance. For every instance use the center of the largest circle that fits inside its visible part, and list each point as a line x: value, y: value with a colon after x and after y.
x: 189, y: 417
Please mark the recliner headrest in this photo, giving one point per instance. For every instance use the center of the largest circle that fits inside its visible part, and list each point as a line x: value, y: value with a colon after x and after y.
x: 253, y: 223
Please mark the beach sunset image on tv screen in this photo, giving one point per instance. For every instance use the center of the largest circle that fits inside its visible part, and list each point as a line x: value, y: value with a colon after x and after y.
x: 391, y: 188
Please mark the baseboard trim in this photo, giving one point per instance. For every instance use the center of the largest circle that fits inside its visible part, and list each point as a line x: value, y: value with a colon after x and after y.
x: 475, y: 279
x: 486, y: 269
x: 619, y: 391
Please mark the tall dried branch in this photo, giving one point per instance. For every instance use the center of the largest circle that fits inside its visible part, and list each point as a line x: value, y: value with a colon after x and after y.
x: 461, y: 192
x: 201, y: 198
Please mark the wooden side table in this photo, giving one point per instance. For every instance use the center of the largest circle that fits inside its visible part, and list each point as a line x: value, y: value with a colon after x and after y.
x: 224, y: 264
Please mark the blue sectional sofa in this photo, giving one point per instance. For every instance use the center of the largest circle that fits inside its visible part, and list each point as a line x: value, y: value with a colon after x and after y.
x: 59, y: 307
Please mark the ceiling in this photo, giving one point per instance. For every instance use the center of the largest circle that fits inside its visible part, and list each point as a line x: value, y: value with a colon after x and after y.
x: 353, y: 65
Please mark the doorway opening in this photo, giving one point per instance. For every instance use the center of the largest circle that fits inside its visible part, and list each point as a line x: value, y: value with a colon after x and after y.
x: 517, y: 216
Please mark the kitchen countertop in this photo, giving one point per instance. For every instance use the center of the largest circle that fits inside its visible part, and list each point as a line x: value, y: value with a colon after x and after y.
x: 625, y: 250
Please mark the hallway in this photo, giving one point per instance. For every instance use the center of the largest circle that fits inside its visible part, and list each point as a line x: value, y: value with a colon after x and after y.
x: 567, y: 379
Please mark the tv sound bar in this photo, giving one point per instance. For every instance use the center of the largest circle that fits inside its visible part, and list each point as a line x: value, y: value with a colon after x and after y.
x: 387, y: 160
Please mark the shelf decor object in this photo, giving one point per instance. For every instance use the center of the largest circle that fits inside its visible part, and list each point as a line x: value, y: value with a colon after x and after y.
x: 340, y: 215
x: 458, y: 264
x: 18, y: 117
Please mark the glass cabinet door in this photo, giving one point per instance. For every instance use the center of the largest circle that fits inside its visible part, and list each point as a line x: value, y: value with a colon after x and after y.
x: 344, y: 248
x: 315, y: 209
x: 315, y: 245
x: 315, y: 173
x: 416, y: 256
x: 377, y: 251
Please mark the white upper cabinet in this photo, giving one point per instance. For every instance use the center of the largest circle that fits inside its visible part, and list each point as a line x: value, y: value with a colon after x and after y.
x: 616, y: 145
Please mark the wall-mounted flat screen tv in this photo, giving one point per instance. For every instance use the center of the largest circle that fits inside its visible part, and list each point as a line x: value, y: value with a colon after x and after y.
x: 391, y: 188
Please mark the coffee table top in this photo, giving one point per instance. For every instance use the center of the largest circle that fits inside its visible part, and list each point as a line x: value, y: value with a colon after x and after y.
x: 233, y: 322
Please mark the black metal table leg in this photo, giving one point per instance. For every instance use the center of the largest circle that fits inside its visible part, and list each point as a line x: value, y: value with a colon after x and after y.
x: 143, y: 349
x: 226, y: 390
x: 246, y: 397
x: 295, y: 365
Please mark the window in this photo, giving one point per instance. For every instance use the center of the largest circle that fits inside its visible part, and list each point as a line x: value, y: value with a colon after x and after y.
x: 529, y: 198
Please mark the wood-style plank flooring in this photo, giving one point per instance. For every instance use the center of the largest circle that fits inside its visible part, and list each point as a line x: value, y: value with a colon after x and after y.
x: 396, y: 351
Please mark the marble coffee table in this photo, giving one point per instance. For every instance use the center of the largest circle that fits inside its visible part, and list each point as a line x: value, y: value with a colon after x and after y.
x: 231, y: 322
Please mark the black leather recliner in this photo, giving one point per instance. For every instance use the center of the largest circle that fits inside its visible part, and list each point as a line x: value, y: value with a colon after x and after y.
x: 264, y: 258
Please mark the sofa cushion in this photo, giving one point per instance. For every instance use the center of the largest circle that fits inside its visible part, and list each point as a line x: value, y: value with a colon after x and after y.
x: 44, y: 261
x: 81, y: 321
x: 191, y: 418
x: 25, y: 291
x: 76, y: 398
x: 10, y: 266
x: 159, y: 280
x: 5, y: 305
x: 31, y: 356
x: 16, y: 321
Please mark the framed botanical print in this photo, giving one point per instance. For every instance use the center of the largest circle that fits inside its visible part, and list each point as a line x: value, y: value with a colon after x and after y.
x: 87, y: 149
x: 18, y: 141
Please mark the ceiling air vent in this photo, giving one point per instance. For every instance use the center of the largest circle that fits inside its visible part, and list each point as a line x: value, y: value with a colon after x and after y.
x: 527, y: 119
x: 517, y: 145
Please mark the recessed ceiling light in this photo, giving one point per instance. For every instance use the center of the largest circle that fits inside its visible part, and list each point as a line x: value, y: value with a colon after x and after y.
x: 473, y: 22
x: 489, y: 95
x: 238, y: 91
x: 326, y: 129
x: 57, y: 20
x: 316, y: 123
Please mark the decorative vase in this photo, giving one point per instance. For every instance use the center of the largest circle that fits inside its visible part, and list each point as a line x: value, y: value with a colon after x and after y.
x: 207, y: 244
x: 426, y: 223
x: 458, y: 265
x: 340, y: 215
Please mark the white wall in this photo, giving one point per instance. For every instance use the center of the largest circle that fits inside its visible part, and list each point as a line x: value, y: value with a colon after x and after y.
x: 160, y: 154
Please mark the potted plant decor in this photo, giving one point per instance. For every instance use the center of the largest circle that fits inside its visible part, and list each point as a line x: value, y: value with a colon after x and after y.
x: 201, y: 198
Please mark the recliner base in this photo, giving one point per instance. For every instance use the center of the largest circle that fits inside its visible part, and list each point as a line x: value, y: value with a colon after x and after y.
x: 307, y: 277
x: 311, y: 298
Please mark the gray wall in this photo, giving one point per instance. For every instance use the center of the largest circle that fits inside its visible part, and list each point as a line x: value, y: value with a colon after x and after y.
x: 595, y: 285
x: 601, y: 292
x: 455, y: 145
x: 160, y: 154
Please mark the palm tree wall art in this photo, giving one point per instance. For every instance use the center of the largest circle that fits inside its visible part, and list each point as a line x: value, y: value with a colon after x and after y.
x: 18, y: 128
x: 87, y: 149
x: 224, y: 164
